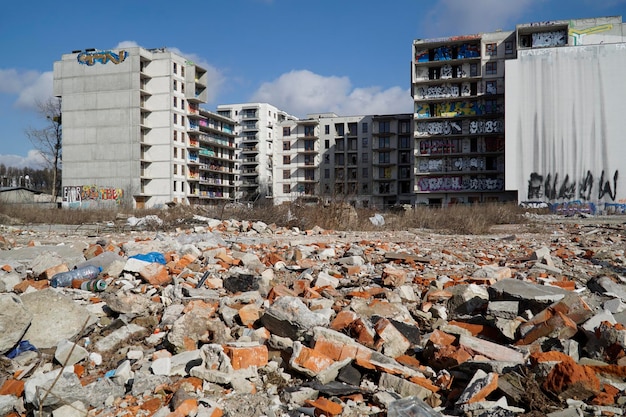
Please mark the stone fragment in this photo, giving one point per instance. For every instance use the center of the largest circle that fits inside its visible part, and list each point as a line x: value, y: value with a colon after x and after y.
x: 480, y: 386
x: 403, y: 387
x: 290, y: 317
x: 68, y: 353
x: 394, y: 343
x: 466, y: 299
x: 493, y: 272
x: 112, y: 340
x: 55, y: 317
x: 14, y: 321
x: 491, y: 350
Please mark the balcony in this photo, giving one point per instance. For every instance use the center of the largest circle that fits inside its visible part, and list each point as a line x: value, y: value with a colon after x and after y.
x: 249, y: 149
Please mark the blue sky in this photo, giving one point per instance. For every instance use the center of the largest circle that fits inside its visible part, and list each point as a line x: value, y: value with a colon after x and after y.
x: 345, y: 56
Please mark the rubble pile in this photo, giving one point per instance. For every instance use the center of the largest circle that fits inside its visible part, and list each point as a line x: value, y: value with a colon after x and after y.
x: 236, y: 318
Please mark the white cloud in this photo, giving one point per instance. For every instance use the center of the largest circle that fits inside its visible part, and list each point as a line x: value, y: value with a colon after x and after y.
x: 303, y: 92
x: 13, y: 81
x: 39, y: 91
x: 33, y: 159
x: 126, y: 44
x: 454, y: 17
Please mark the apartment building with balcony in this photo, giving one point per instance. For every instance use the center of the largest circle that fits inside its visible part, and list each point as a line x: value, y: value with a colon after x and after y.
x: 458, y: 91
x: 256, y: 140
x: 211, y: 158
x: 127, y: 116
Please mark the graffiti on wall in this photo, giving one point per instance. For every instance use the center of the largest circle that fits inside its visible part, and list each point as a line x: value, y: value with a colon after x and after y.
x: 460, y: 183
x: 552, y: 187
x: 81, y: 194
x: 486, y: 126
x: 92, y: 57
x: 553, y: 38
x: 438, y: 128
x: 578, y: 34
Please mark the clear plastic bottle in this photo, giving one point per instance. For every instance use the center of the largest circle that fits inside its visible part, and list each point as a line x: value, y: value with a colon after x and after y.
x: 411, y: 407
x: 64, y: 279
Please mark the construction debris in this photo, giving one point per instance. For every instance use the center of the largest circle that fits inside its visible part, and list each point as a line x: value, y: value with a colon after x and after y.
x: 232, y: 318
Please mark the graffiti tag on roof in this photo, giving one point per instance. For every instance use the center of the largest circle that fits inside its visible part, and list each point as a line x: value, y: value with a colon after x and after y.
x: 103, y: 57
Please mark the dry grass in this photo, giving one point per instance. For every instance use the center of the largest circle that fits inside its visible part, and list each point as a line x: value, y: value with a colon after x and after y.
x: 461, y: 219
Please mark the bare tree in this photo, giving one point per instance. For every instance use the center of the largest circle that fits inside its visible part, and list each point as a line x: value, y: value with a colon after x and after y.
x: 48, y: 139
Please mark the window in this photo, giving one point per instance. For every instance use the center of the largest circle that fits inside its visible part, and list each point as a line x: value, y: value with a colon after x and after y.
x: 309, y: 130
x: 405, y: 126
x: 286, y: 174
x: 364, y: 157
x: 352, y: 144
x: 309, y: 160
x: 182, y: 87
x: 326, y: 144
x: 405, y: 142
x: 405, y: 172
x: 327, y: 159
x: 365, y: 189
x: 491, y: 87
x: 175, y: 85
x: 286, y: 131
x: 339, y: 145
x: 309, y: 145
x: 339, y: 129
x: 339, y: 159
x: 384, y: 127
x: 384, y: 142
x: 508, y: 47
x: 473, y: 70
x: 182, y: 104
x: 175, y: 169
x: 384, y: 157
x: 175, y: 68
x: 175, y: 136
x: 491, y: 49
x: 364, y: 143
x: 491, y: 106
x: 175, y: 102
x: 365, y: 173
x: 364, y: 127
x: 286, y: 146
x: 175, y: 118
x: 405, y: 157
x: 174, y: 185
x: 182, y: 70
x: 286, y: 159
x: 491, y: 68
x: 286, y: 188
x: 327, y: 129
x: 326, y: 173
x: 182, y: 120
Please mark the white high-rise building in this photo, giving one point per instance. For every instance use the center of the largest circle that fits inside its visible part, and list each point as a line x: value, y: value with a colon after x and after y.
x: 131, y: 119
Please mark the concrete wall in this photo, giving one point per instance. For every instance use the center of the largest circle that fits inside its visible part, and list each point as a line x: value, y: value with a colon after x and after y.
x: 565, y: 109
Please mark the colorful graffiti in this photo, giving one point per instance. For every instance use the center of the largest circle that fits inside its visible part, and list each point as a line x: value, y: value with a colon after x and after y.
x: 578, y: 34
x: 92, y: 57
x: 549, y: 187
x: 84, y: 193
x: 438, y: 128
x: 553, y: 38
x: 460, y: 183
x: 569, y: 208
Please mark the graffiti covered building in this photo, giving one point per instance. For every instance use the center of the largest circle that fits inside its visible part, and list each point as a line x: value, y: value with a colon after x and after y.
x: 565, y: 104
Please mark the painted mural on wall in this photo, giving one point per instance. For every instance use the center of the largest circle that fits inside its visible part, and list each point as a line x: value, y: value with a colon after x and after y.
x: 460, y: 183
x: 92, y: 57
x: 565, y: 146
x: 91, y: 195
x: 578, y: 35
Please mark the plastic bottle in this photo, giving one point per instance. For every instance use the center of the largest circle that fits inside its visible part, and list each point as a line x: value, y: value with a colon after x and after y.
x: 411, y: 407
x: 64, y: 279
x: 94, y: 285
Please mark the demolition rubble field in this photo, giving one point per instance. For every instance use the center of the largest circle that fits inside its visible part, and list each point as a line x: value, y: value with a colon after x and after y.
x: 243, y: 318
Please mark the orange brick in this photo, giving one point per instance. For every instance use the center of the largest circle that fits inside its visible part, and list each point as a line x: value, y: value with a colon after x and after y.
x: 12, y: 387
x: 249, y: 314
x: 7, y: 268
x: 245, y: 357
x: 343, y: 319
x: 39, y: 285
x: 152, y: 405
x: 50, y: 272
x: 155, y: 274
x: 324, y: 406
x: 439, y: 338
x: 313, y: 360
x: 187, y: 407
x: 92, y: 251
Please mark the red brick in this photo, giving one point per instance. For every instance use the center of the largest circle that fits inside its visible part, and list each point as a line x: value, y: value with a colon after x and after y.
x: 155, y: 274
x: 245, y: 357
x: 326, y: 407
x: 52, y: 271
x: 572, y: 380
x: 12, y: 387
x: 312, y: 360
x: 343, y: 320
x: 249, y: 314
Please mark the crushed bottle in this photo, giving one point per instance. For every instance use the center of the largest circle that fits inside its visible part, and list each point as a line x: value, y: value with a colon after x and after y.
x: 65, y: 279
x: 411, y: 407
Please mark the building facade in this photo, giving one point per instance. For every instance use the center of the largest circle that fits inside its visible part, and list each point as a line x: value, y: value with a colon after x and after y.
x: 127, y: 115
x: 458, y: 90
x: 256, y: 135
x: 565, y: 106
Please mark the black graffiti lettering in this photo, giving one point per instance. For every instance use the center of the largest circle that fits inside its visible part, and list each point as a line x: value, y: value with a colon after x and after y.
x: 550, y: 187
x: 585, y: 186
x: 567, y: 190
x: 605, y: 187
x: 534, y: 185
